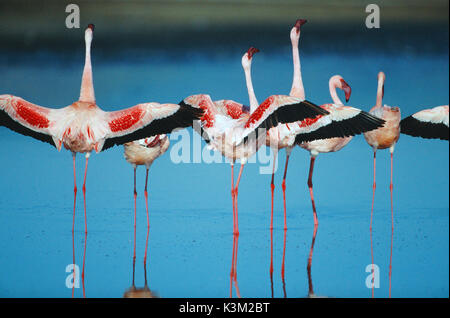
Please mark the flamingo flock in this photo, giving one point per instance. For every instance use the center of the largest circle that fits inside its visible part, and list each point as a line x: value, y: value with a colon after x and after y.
x: 231, y: 128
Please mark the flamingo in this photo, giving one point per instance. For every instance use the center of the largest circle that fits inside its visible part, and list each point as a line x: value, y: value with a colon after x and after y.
x: 428, y: 123
x: 83, y: 127
x: 143, y: 152
x: 236, y: 135
x: 337, y: 122
x: 331, y: 144
x: 383, y: 138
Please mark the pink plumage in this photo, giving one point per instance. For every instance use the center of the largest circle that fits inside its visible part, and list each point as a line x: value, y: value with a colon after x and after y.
x: 83, y: 127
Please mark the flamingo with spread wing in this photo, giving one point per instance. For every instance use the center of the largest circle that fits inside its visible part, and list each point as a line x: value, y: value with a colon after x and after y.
x: 336, y: 122
x: 238, y: 131
x: 83, y: 127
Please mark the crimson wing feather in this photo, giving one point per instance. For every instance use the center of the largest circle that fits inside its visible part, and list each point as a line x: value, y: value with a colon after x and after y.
x: 26, y: 118
x: 146, y: 120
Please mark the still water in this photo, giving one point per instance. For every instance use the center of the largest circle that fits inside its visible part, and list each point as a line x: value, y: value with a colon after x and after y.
x: 190, y: 244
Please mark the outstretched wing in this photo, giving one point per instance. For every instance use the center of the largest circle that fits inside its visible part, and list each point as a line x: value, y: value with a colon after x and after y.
x: 343, y: 121
x: 282, y: 109
x: 26, y: 118
x: 279, y: 109
x: 429, y: 123
x: 145, y: 120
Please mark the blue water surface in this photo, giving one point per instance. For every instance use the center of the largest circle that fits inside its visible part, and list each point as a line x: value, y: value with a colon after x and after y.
x: 190, y: 242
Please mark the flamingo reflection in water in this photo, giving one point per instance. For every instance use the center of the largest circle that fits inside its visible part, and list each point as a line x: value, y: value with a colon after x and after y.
x: 308, y: 267
x: 75, y: 271
x: 233, y: 272
x: 282, y: 263
x: 140, y: 292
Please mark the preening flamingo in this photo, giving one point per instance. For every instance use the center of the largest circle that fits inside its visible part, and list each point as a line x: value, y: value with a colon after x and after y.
x: 383, y: 138
x: 428, y: 123
x: 83, y: 127
x: 144, y: 152
x: 337, y: 122
x: 237, y: 135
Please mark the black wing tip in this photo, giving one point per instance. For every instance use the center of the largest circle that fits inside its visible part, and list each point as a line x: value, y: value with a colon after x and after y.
x: 197, y: 112
x: 416, y: 128
x: 361, y: 123
x: 184, y: 117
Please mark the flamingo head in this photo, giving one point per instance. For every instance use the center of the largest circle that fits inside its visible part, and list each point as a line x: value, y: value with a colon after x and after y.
x: 247, y: 58
x: 346, y: 88
x: 295, y: 31
x: 89, y: 33
x: 252, y: 50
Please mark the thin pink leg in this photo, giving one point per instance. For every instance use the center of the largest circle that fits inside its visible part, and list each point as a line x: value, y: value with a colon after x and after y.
x: 374, y: 186
x: 146, y: 197
x: 391, y: 187
x: 308, y: 267
x: 283, y: 186
x: 283, y: 264
x: 135, y: 196
x: 74, y: 192
x: 310, y: 185
x: 84, y: 194
x: 272, y: 188
x: 236, y: 198
x: 148, y: 219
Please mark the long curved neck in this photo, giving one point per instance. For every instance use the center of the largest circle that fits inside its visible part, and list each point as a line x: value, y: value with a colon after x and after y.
x: 87, y: 83
x: 251, y: 93
x: 334, y: 96
x: 297, y: 89
x: 380, y: 92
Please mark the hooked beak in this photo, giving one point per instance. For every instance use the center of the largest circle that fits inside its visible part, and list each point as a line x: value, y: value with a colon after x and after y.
x: 251, y: 51
x: 347, y: 90
x: 299, y: 23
